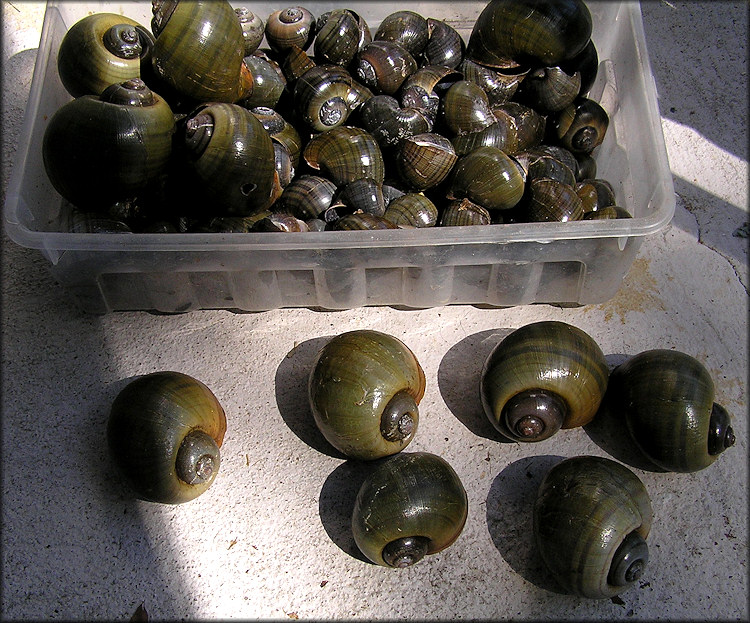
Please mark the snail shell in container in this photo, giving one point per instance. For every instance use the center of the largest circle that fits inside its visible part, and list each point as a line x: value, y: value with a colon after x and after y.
x: 98, y: 150
x: 361, y: 221
x: 509, y: 33
x: 100, y: 50
x: 489, y: 177
x: 543, y: 377
x: 581, y: 126
x: 383, y: 66
x: 364, y: 389
x: 164, y: 433
x: 229, y: 157
x: 344, y: 154
x: 425, y: 160
x: 445, y: 47
x: 407, y: 28
x: 461, y: 212
x: 411, y: 505
x: 199, y: 50
x: 466, y: 108
x: 253, y: 29
x: 591, y: 518
x: 341, y: 34
x: 390, y: 124
x: 321, y: 97
x: 412, y: 210
x: 552, y: 201
x: 293, y: 26
x: 667, y: 401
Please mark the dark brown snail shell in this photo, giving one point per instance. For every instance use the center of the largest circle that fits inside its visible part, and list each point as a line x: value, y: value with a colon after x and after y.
x: 466, y: 108
x: 581, y: 126
x: 543, y: 377
x: 364, y: 389
x: 164, y: 433
x: 307, y: 196
x: 389, y: 123
x: 321, y: 97
x: 666, y: 398
x: 509, y: 33
x: 292, y: 26
x: 341, y: 33
x: 199, y: 50
x: 269, y: 81
x: 363, y: 195
x: 445, y: 47
x: 361, y: 221
x: 344, y: 154
x: 383, y: 66
x: 407, y: 28
x: 424, y: 160
x: 500, y: 86
x: 550, y: 200
x: 100, y: 50
x: 98, y: 150
x: 591, y: 519
x: 462, y: 212
x: 411, y: 505
x: 228, y: 159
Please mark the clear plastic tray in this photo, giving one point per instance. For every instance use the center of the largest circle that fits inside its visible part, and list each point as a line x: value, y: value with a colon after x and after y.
x: 495, y: 265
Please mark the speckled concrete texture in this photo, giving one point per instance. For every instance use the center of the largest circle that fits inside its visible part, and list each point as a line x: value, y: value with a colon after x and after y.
x: 271, y: 538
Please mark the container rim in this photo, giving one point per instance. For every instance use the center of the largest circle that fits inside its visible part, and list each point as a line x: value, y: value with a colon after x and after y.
x: 261, y: 241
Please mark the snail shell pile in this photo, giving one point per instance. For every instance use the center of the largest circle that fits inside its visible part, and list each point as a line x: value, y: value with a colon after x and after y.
x: 501, y: 121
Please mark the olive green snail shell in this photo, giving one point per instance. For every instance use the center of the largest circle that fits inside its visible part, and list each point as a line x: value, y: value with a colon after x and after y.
x: 98, y: 150
x: 542, y: 377
x: 364, y: 389
x: 667, y: 401
x: 411, y: 505
x: 99, y: 50
x: 591, y: 518
x: 199, y: 50
x: 164, y: 433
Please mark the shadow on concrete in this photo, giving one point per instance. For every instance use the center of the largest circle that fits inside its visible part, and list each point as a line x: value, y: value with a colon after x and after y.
x: 290, y: 386
x: 510, y: 503
x: 336, y: 504
x: 459, y: 375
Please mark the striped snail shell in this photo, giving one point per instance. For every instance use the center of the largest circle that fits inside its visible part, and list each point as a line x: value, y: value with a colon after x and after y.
x: 543, y: 377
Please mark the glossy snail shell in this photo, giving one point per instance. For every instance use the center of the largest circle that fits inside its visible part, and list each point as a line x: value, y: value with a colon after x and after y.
x: 345, y: 153
x: 509, y: 33
x: 199, y: 50
x: 341, y: 33
x: 364, y: 389
x: 591, y: 518
x: 411, y: 505
x: 581, y: 126
x: 412, y: 210
x: 407, y: 28
x: 98, y: 150
x: 229, y: 157
x: 253, y: 29
x: 489, y: 177
x: 164, y: 433
x: 100, y: 50
x: 542, y: 377
x: 292, y: 26
x: 666, y: 398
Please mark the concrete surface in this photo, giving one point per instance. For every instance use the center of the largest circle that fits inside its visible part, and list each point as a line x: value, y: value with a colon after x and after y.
x: 271, y: 538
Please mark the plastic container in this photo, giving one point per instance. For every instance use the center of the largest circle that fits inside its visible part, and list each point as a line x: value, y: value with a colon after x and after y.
x: 496, y: 265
